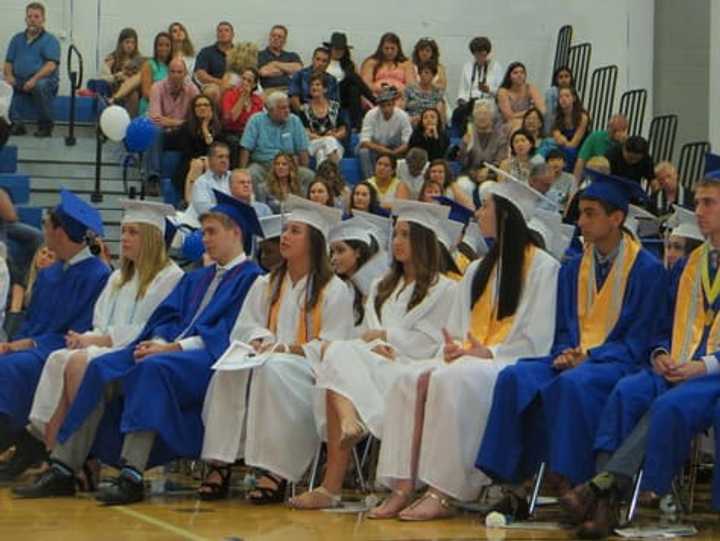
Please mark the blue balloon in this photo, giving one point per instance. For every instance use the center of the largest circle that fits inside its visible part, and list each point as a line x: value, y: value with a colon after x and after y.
x: 140, y: 134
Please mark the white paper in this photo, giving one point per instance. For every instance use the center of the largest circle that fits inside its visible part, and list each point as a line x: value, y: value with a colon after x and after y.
x: 240, y: 356
x: 657, y: 532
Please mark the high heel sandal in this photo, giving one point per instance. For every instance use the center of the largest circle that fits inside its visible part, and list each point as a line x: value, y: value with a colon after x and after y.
x: 374, y: 514
x: 216, y: 491
x: 269, y: 495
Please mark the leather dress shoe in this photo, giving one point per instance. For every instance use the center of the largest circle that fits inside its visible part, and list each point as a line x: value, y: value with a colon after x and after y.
x: 52, y: 483
x: 122, y: 490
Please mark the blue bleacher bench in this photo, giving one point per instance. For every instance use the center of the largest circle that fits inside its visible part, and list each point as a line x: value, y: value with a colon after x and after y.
x: 8, y: 159
x: 85, y: 109
x: 18, y: 186
x: 30, y: 216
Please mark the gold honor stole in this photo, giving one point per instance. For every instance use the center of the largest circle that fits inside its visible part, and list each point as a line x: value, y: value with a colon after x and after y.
x: 462, y: 262
x: 598, y: 311
x: 301, y: 336
x: 691, y: 318
x: 484, y: 325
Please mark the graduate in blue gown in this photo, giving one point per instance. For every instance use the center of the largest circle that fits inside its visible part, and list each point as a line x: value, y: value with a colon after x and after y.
x: 141, y: 406
x: 546, y: 409
x: 63, y: 300
x: 651, y: 417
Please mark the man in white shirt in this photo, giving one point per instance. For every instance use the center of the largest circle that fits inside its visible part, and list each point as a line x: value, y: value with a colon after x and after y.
x: 480, y: 79
x: 386, y: 130
x: 217, y: 177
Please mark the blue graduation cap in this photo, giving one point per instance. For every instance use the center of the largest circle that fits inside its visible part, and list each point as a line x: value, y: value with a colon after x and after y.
x: 77, y: 216
x: 458, y: 213
x: 617, y: 191
x: 712, y: 164
x: 240, y: 213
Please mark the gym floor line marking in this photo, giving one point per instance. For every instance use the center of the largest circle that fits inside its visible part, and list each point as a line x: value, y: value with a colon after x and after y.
x: 181, y: 532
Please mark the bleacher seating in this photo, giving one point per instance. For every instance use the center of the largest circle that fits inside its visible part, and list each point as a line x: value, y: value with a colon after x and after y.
x: 85, y: 109
x: 8, y: 159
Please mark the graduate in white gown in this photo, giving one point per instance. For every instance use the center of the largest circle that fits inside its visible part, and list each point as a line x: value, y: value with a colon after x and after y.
x: 265, y: 415
x: 404, y: 315
x: 145, y: 277
x: 504, y: 309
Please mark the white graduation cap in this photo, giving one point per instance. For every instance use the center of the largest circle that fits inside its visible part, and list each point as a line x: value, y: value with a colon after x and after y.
x: 450, y: 233
x: 429, y: 215
x: 474, y: 238
x: 684, y: 224
x: 641, y: 223
x: 272, y: 225
x: 313, y: 214
x: 556, y: 235
x: 517, y: 192
x: 146, y: 212
x: 373, y: 269
x: 351, y: 229
x: 381, y: 227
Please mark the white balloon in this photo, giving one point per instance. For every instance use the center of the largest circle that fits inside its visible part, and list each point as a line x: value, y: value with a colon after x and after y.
x: 114, y: 122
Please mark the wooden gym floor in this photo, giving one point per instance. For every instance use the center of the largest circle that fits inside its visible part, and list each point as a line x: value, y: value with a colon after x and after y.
x: 181, y: 517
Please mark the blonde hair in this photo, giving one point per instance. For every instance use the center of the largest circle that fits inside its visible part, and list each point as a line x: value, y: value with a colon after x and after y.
x: 598, y: 163
x: 32, y: 276
x: 665, y: 166
x: 151, y: 260
x: 241, y: 57
x: 273, y: 183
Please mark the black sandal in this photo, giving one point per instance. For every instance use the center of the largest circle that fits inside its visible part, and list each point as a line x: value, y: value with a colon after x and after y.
x: 217, y: 491
x: 269, y: 495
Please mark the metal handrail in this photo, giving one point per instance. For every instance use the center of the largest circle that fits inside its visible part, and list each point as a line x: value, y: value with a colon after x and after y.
x: 76, y: 79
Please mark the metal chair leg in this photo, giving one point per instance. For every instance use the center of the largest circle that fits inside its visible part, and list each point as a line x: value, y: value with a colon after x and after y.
x: 536, y: 488
x: 632, y: 507
x: 314, y: 470
x: 358, y: 469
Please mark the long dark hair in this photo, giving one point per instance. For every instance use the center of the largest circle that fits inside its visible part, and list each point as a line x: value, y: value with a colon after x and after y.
x: 421, y: 44
x: 558, y: 71
x: 426, y: 262
x: 319, y: 275
x: 119, y: 57
x: 528, y: 136
x: 449, y: 176
x: 331, y: 195
x: 508, y: 252
x: 374, y: 199
x: 378, y: 54
x: 194, y: 124
x: 447, y: 263
x: 364, y: 252
x: 577, y: 111
x: 506, y: 82
x: 160, y: 36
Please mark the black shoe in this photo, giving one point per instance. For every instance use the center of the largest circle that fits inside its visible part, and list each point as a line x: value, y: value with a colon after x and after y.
x: 52, y: 483
x: 122, y: 490
x: 43, y: 132
x: 17, y: 129
x: 29, y: 452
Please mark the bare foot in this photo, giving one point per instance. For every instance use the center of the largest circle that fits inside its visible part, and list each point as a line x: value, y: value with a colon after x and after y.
x: 320, y: 498
x: 431, y: 506
x: 391, y: 506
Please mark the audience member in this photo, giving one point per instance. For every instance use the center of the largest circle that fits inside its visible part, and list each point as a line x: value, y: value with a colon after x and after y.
x: 522, y: 149
x: 542, y: 179
x: 430, y: 134
x: 515, y: 95
x: 241, y: 188
x: 121, y: 68
x: 183, y: 47
x: 388, y: 66
x: 386, y: 129
x: 389, y: 188
x: 31, y: 68
x: 242, y: 57
x: 238, y: 104
x: 632, y: 160
x: 426, y: 51
x: 211, y: 61
x: 351, y: 86
x: 21, y: 293
x: 485, y: 141
x: 299, y: 89
x: 670, y: 192
x: 440, y: 172
x: 480, y: 79
x: 430, y: 191
x: 364, y: 197
x: 533, y: 122
x: 323, y: 120
x: 282, y: 180
x: 411, y: 170
x: 570, y: 125
x: 329, y: 171
x: 271, y: 132
x: 319, y: 192
x: 600, y: 141
x: 201, y: 129
x: 564, y: 183
x: 154, y: 69
x: 562, y: 78
x: 276, y: 65
x: 200, y: 192
x: 423, y: 94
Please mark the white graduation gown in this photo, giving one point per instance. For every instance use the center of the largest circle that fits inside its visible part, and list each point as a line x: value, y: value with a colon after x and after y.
x: 351, y: 369
x: 460, y: 394
x: 265, y: 415
x: 118, y: 314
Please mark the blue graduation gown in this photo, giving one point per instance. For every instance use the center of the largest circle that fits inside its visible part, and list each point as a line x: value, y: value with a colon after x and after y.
x: 62, y: 300
x: 164, y: 393
x: 541, y: 414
